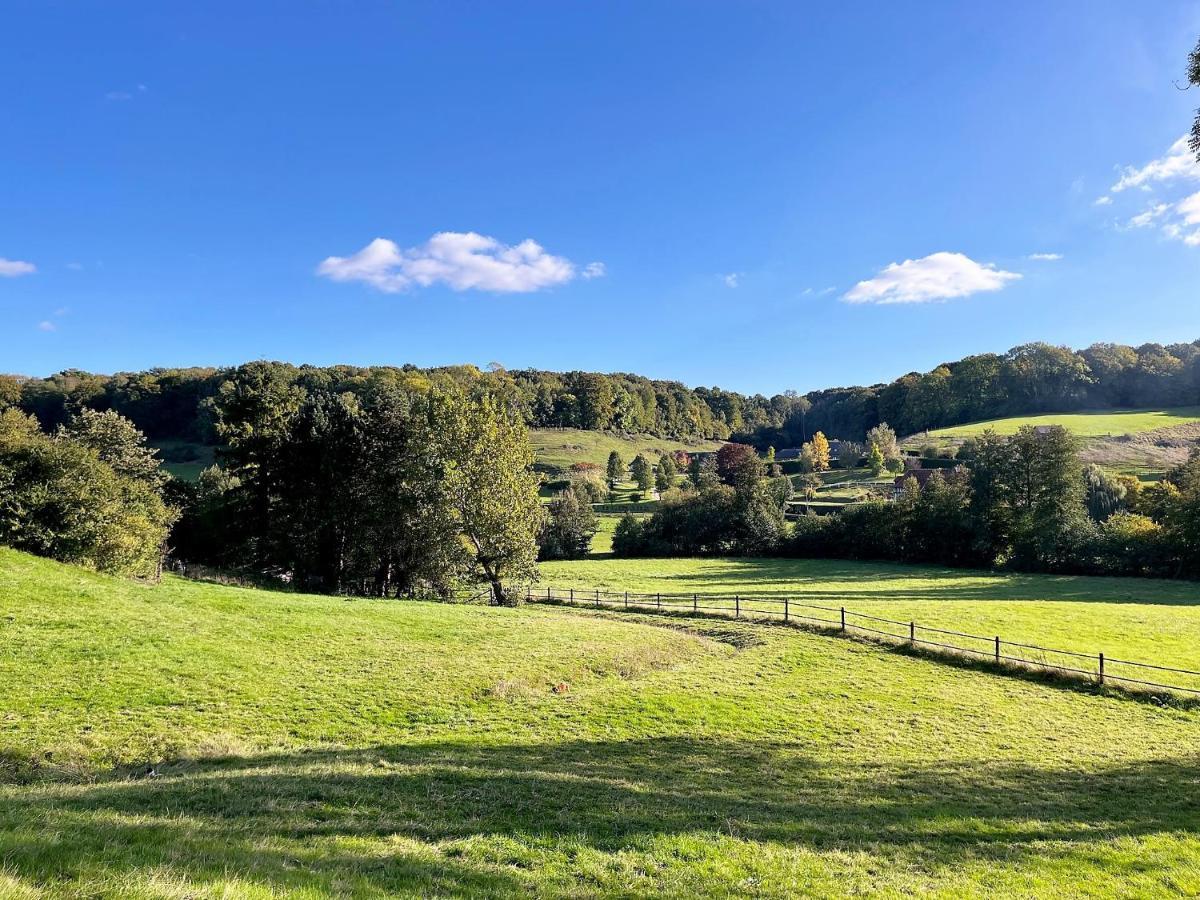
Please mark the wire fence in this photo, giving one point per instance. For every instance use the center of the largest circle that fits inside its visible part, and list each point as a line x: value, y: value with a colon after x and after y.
x: 1095, y: 667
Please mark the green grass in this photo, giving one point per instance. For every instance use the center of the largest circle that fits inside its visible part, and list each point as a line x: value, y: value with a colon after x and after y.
x: 560, y: 447
x: 184, y: 460
x: 1098, y: 423
x: 1141, y: 619
x: 190, y: 740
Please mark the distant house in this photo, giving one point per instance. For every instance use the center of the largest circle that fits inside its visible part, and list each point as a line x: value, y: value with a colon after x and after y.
x: 922, y: 476
x: 835, y: 447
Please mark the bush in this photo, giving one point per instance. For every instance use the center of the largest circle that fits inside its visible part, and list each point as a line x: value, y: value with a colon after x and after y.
x: 58, y: 499
x: 569, y: 527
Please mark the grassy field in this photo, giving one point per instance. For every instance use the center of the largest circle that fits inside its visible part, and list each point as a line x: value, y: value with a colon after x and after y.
x: 1145, y: 620
x: 190, y: 740
x: 184, y: 460
x: 560, y: 447
x: 1099, y: 423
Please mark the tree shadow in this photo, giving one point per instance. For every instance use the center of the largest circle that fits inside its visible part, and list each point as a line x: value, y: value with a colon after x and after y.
x: 810, y: 579
x: 319, y: 819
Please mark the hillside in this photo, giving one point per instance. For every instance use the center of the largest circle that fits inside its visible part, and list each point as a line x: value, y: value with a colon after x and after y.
x: 202, y: 741
x: 1144, y: 442
x: 1087, y: 424
x: 557, y: 448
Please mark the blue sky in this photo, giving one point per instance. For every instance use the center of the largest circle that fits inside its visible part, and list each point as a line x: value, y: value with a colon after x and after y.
x: 705, y: 185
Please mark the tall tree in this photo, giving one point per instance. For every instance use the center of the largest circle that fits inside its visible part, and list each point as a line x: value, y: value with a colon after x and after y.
x: 615, y: 470
x: 488, y: 480
x: 738, y: 466
x: 642, y: 472
x: 568, y: 528
x: 664, y: 473
x: 820, y: 452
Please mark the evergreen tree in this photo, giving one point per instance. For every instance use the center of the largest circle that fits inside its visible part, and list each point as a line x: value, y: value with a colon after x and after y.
x: 664, y: 473
x: 615, y: 469
x: 642, y: 472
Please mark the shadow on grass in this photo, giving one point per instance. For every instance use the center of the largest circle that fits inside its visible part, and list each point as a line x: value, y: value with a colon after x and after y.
x: 740, y: 633
x: 809, y: 579
x: 411, y: 818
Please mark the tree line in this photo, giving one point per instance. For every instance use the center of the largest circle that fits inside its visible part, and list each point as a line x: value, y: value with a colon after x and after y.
x: 403, y: 487
x: 1022, y: 502
x: 182, y: 404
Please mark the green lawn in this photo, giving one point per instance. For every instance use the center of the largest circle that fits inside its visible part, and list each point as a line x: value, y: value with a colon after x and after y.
x: 1098, y: 423
x: 560, y: 447
x: 198, y: 741
x: 1144, y: 620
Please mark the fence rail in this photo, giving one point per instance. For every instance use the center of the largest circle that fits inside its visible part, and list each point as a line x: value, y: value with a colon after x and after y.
x: 1095, y: 667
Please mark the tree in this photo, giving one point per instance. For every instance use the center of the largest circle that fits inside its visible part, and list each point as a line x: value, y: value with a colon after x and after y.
x: 849, y: 454
x: 59, y: 499
x: 875, y: 460
x: 643, y: 473
x: 488, y: 481
x: 883, y: 438
x: 1105, y: 494
x: 810, y: 483
x: 1194, y: 81
x: 738, y: 465
x: 820, y: 452
x: 615, y: 469
x: 664, y: 473
x: 117, y: 442
x: 569, y: 527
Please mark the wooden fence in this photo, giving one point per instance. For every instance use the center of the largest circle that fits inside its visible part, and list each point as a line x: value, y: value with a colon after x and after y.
x: 1095, y: 667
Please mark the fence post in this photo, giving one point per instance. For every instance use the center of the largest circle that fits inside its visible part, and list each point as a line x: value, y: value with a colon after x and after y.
x: 572, y: 595
x: 627, y: 599
x: 785, y: 609
x: 658, y: 601
x: 547, y: 593
x: 843, y: 618
x: 695, y: 604
x: 912, y: 632
x: 997, y: 649
x: 1102, y: 668
x: 597, y: 596
x: 737, y: 606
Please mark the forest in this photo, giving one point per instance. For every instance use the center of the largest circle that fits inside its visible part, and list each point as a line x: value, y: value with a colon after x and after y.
x: 184, y: 404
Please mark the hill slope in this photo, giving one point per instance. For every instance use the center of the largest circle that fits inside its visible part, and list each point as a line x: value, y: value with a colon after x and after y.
x: 201, y: 741
x: 1095, y: 423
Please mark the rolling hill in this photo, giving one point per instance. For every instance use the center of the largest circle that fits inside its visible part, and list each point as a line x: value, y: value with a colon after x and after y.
x: 195, y: 740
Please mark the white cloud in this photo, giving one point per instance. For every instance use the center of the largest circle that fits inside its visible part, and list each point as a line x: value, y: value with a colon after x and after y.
x: 1169, y: 179
x: 1046, y: 257
x: 594, y: 270
x: 11, y: 268
x: 731, y: 279
x: 939, y: 276
x: 1177, y: 162
x: 1102, y: 201
x: 1147, y: 217
x: 461, y: 260
x: 47, y: 326
x: 1189, y: 209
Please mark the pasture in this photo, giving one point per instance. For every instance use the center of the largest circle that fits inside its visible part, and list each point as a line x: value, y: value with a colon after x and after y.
x: 194, y: 740
x: 558, y: 448
x: 1085, y: 424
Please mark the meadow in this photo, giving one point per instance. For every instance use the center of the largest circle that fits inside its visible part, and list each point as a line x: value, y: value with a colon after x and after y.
x: 1085, y: 424
x: 558, y: 448
x: 195, y: 740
